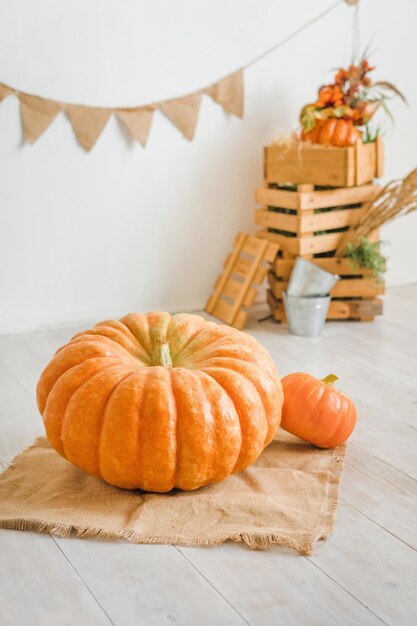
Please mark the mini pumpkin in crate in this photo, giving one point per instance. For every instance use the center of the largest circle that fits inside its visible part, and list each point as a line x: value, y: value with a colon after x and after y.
x: 158, y: 401
x: 344, y: 108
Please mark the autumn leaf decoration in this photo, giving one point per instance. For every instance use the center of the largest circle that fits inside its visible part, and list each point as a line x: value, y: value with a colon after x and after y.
x: 352, y: 96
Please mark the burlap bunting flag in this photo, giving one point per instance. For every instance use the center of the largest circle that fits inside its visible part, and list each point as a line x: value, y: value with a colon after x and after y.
x: 88, y: 122
x: 228, y: 92
x: 37, y: 114
x: 138, y: 122
x: 183, y: 113
x: 5, y: 91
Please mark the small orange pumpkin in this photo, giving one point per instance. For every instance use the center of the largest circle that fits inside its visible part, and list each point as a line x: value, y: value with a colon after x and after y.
x: 332, y: 132
x: 158, y: 401
x: 316, y: 411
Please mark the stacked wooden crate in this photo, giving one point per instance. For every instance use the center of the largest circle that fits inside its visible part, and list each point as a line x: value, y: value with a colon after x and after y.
x: 311, y: 195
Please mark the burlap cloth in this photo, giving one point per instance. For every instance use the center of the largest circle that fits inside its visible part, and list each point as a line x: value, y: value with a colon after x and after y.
x: 289, y: 497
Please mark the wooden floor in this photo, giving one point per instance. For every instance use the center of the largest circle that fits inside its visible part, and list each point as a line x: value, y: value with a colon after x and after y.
x: 365, y: 574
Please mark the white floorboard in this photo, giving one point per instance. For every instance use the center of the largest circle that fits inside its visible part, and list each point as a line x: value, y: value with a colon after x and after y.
x: 365, y: 574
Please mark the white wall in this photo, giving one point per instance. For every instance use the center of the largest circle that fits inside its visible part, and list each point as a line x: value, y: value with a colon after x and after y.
x: 84, y: 236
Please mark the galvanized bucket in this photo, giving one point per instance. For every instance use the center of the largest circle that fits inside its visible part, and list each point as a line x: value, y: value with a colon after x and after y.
x: 309, y: 280
x: 306, y: 315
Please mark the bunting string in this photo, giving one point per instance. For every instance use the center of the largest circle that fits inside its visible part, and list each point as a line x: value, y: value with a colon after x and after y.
x: 88, y: 122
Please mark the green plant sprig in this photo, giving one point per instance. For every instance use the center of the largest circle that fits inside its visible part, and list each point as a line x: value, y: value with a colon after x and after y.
x: 367, y: 254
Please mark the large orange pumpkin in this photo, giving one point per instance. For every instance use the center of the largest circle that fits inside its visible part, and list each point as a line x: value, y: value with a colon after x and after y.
x: 332, y: 132
x: 316, y: 411
x: 158, y: 401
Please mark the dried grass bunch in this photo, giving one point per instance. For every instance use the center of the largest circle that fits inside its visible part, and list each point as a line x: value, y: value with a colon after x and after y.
x: 397, y: 198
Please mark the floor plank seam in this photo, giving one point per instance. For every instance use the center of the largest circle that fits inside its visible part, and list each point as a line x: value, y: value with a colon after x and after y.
x: 82, y: 580
x: 397, y: 469
x: 392, y: 376
x: 377, y: 524
x: 212, y: 586
x: 310, y: 560
x: 384, y: 375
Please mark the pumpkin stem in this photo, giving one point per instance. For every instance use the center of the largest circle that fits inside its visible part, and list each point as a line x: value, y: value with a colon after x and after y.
x: 330, y: 379
x: 165, y: 355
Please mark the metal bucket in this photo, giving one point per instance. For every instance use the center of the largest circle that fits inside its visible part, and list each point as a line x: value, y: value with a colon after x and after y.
x: 309, y: 280
x: 306, y: 315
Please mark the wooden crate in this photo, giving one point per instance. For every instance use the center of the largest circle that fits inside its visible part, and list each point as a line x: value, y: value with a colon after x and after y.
x: 354, y: 296
x: 324, y: 165
x: 306, y: 221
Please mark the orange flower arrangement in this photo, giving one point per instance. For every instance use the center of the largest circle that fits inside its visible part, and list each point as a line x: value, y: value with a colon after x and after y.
x: 344, y: 106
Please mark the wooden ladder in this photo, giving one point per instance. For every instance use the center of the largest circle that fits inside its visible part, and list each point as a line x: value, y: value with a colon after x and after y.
x: 243, y: 269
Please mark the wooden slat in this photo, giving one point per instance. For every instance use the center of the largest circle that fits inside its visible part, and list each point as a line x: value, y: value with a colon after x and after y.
x: 283, y: 267
x: 260, y: 275
x: 239, y: 241
x: 271, y: 252
x: 306, y: 232
x: 302, y: 247
x: 252, y: 246
x: 265, y: 151
x: 280, y: 221
x: 247, y: 281
x: 366, y: 162
x: 328, y: 198
x: 338, y: 309
x: 232, y: 288
x: 348, y: 288
x: 305, y: 188
x: 227, y: 260
x: 277, y: 286
x: 317, y: 244
x: 359, y: 308
x: 379, y: 157
x: 357, y: 287
x: 321, y: 165
x: 318, y: 199
x: 222, y: 310
x: 241, y: 267
x: 329, y: 220
x: 351, y: 167
x: 231, y: 294
x: 250, y: 297
x: 317, y: 165
x: 240, y: 320
x: 278, y: 198
x: 288, y: 244
x: 307, y: 246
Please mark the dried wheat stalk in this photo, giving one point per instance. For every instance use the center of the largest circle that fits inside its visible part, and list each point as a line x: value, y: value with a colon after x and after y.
x: 397, y: 198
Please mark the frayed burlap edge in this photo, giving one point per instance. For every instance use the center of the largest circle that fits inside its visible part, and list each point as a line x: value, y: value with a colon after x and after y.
x: 255, y: 541
x: 338, y: 464
x: 258, y: 541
